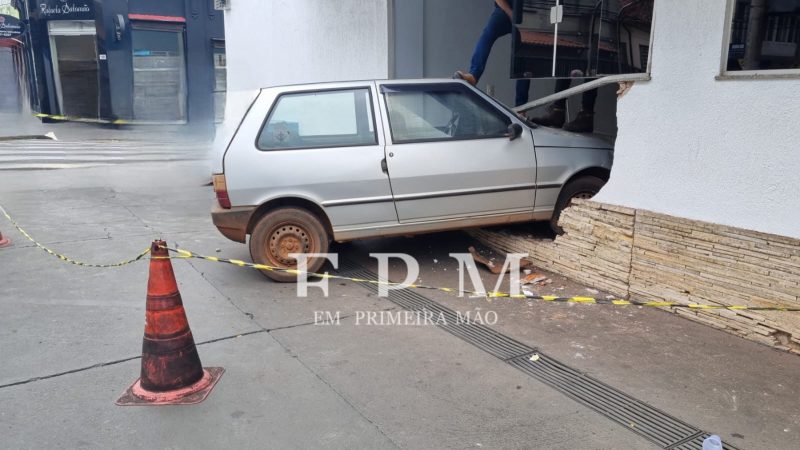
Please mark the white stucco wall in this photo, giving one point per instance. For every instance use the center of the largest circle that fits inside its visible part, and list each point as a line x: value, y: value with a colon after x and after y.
x: 278, y: 42
x: 726, y: 152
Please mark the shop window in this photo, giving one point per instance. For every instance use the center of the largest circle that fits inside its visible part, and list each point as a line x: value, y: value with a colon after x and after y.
x: 159, y: 72
x: 73, y: 52
x: 763, y: 36
x: 220, y: 80
x: 341, y: 118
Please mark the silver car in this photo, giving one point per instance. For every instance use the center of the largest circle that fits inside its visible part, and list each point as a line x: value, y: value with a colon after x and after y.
x: 313, y: 163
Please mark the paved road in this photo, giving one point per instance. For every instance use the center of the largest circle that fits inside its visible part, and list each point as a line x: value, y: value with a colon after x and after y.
x: 70, y: 336
x: 39, y: 154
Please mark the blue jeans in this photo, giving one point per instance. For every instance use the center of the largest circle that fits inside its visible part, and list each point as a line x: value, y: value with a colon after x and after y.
x: 498, y: 26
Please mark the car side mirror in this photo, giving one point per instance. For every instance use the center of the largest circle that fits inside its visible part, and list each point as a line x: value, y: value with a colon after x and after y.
x: 514, y: 131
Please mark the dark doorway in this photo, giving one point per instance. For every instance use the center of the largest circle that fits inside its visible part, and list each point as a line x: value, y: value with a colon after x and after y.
x: 74, y: 52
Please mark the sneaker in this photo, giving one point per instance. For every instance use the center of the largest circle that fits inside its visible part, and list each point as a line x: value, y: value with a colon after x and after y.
x: 555, y: 117
x: 466, y: 76
x: 583, y: 123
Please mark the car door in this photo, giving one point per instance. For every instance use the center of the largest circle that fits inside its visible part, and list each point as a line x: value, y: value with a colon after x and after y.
x: 449, y: 155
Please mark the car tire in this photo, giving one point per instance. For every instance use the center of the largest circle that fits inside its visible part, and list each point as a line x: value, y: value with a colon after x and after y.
x: 283, y: 231
x: 582, y: 187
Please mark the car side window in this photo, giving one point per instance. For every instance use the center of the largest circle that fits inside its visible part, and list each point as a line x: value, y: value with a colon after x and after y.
x: 441, y: 112
x: 336, y: 118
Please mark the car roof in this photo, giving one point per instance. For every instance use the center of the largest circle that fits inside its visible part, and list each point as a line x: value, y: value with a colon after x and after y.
x: 334, y: 84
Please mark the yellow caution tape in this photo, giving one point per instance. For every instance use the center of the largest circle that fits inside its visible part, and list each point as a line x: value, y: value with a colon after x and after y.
x: 82, y: 119
x: 186, y: 254
x: 67, y: 258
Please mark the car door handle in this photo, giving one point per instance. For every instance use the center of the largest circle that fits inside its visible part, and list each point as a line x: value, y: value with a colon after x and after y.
x: 384, y: 166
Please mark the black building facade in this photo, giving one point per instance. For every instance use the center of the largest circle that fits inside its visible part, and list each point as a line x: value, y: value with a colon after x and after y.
x: 137, y: 61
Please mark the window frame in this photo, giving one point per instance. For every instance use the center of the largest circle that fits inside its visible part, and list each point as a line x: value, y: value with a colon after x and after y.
x: 725, y: 74
x: 317, y: 91
x: 431, y: 87
x: 217, y: 44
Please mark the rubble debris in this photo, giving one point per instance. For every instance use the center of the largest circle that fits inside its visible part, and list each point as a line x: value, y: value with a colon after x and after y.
x: 535, y: 278
x: 494, y: 268
x: 532, y: 278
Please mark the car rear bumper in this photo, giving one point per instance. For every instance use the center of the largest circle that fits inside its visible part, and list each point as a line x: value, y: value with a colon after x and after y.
x: 232, y: 223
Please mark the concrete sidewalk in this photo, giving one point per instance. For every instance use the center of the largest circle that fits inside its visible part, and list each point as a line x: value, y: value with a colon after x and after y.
x: 70, y: 336
x: 18, y: 126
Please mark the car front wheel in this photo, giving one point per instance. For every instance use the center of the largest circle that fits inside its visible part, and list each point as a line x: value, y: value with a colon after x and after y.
x: 284, y: 231
x: 582, y: 187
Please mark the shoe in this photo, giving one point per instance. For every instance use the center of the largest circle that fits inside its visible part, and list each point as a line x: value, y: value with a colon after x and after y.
x: 583, y: 123
x: 466, y: 76
x: 555, y: 117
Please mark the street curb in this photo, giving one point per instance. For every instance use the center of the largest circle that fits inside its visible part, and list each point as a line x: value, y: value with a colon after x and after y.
x: 25, y: 137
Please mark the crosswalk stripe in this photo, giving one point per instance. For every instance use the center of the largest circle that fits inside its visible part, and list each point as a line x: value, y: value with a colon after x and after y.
x: 45, y: 154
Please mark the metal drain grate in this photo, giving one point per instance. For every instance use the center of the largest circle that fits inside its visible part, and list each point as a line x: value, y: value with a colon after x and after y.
x: 639, y: 417
x: 488, y: 340
x: 652, y: 424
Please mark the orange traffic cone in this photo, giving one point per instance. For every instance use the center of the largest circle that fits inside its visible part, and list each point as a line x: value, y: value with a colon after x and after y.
x: 4, y: 241
x: 171, y: 369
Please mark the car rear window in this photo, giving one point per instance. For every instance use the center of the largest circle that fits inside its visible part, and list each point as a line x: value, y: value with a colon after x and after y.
x: 336, y: 118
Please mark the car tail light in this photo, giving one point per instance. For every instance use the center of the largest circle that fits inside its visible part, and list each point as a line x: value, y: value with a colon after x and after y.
x: 221, y: 189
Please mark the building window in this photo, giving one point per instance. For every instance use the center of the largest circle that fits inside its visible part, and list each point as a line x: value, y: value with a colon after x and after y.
x: 764, y: 36
x: 341, y: 118
x: 220, y: 80
x: 159, y: 72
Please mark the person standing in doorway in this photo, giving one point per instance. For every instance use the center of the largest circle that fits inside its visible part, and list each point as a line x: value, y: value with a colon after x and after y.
x: 499, y: 25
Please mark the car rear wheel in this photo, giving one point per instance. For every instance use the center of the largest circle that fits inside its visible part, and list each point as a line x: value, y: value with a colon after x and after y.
x: 583, y: 187
x: 284, y: 231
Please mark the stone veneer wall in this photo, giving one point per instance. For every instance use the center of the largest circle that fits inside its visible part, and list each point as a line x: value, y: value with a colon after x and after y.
x: 649, y: 256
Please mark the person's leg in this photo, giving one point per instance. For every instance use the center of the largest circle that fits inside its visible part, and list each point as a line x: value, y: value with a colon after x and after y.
x: 523, y: 86
x: 557, y: 112
x: 498, y: 25
x: 588, y: 100
x: 562, y: 84
x: 584, y: 120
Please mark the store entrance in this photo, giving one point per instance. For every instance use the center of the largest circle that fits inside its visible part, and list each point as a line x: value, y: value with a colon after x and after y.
x: 73, y: 47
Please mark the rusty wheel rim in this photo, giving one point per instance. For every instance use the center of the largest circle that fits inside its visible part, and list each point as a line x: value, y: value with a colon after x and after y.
x: 286, y: 238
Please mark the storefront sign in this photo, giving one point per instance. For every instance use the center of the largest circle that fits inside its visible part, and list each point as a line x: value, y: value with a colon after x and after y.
x: 10, y: 26
x: 63, y: 9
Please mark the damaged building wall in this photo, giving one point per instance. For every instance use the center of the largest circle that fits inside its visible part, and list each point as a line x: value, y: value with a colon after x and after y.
x: 650, y: 256
x: 691, y: 145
